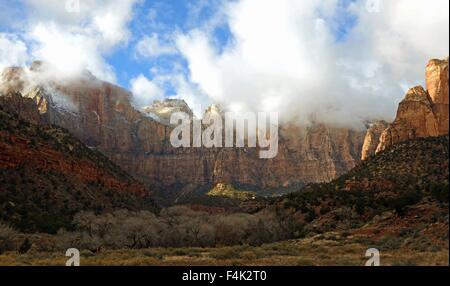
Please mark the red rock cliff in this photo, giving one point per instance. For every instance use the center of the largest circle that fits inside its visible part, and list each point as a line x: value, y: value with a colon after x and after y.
x: 423, y: 113
x: 100, y: 115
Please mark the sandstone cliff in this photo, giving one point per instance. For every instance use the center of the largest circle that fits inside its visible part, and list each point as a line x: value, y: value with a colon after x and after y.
x: 423, y: 113
x: 162, y: 110
x: 372, y: 138
x: 437, y: 87
x: 101, y: 115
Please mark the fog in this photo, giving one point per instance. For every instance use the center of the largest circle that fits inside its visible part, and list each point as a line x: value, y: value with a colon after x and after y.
x: 285, y: 56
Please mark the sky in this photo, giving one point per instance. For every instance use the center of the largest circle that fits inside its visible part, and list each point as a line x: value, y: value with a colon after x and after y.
x: 338, y: 61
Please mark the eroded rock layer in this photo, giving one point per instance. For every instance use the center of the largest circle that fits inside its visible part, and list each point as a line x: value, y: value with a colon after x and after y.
x: 423, y: 113
x: 101, y: 115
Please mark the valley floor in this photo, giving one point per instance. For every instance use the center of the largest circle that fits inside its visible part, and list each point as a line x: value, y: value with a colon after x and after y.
x: 328, y: 250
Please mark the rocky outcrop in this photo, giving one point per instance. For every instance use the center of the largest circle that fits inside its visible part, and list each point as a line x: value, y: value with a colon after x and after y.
x: 423, y: 113
x: 162, y: 110
x: 372, y: 139
x: 25, y: 108
x: 101, y: 116
x: 415, y: 119
x: 437, y: 87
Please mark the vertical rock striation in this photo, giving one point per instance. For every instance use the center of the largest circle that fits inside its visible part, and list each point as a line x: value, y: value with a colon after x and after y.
x: 423, y: 113
x: 372, y: 139
x: 101, y: 115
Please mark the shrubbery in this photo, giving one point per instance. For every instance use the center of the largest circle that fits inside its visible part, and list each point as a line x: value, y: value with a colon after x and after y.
x: 173, y: 227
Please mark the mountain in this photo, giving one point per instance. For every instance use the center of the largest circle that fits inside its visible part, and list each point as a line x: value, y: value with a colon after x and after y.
x: 102, y: 116
x: 47, y: 175
x: 423, y: 113
x: 400, y: 194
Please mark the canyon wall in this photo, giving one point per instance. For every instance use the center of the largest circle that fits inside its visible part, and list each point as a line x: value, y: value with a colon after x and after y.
x: 101, y: 115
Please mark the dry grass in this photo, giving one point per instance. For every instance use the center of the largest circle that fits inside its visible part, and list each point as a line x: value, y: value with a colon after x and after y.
x: 306, y: 252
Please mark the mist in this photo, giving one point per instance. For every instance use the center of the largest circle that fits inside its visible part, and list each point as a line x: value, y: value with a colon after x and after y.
x: 285, y: 57
x: 335, y: 61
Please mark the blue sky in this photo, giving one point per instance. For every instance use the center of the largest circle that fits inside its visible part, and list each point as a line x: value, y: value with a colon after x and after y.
x: 341, y: 59
x: 177, y: 15
x: 162, y: 17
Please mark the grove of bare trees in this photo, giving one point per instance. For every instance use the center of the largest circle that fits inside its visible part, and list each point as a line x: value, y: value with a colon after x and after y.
x: 174, y: 227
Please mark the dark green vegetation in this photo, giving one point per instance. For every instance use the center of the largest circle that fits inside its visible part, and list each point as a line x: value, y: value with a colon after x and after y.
x: 398, y: 197
x: 394, y: 180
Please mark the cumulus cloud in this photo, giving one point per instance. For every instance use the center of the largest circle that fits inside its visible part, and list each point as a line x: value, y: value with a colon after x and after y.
x: 152, y: 46
x: 145, y: 91
x: 77, y: 37
x: 69, y: 52
x: 13, y: 51
x: 285, y: 57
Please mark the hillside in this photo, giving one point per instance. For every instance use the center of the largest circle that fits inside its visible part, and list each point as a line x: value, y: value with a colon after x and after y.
x: 47, y: 176
x: 400, y: 194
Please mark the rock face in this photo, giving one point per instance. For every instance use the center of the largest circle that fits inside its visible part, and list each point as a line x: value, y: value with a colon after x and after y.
x: 25, y: 108
x: 162, y: 110
x: 372, y: 138
x: 437, y: 86
x: 47, y: 175
x: 101, y: 116
x: 423, y: 113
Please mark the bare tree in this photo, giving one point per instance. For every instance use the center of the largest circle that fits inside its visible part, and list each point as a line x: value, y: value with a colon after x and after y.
x: 7, y: 236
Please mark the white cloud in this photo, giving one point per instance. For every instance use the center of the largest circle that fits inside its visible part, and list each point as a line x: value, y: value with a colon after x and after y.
x: 185, y: 90
x: 152, y: 46
x: 105, y: 19
x: 13, y: 51
x: 145, y: 91
x: 78, y: 40
x: 285, y: 57
x: 69, y: 52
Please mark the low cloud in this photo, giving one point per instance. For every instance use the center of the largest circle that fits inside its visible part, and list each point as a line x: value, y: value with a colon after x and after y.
x: 145, y: 91
x: 13, y: 51
x: 305, y: 59
x: 73, y: 40
x: 285, y: 57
